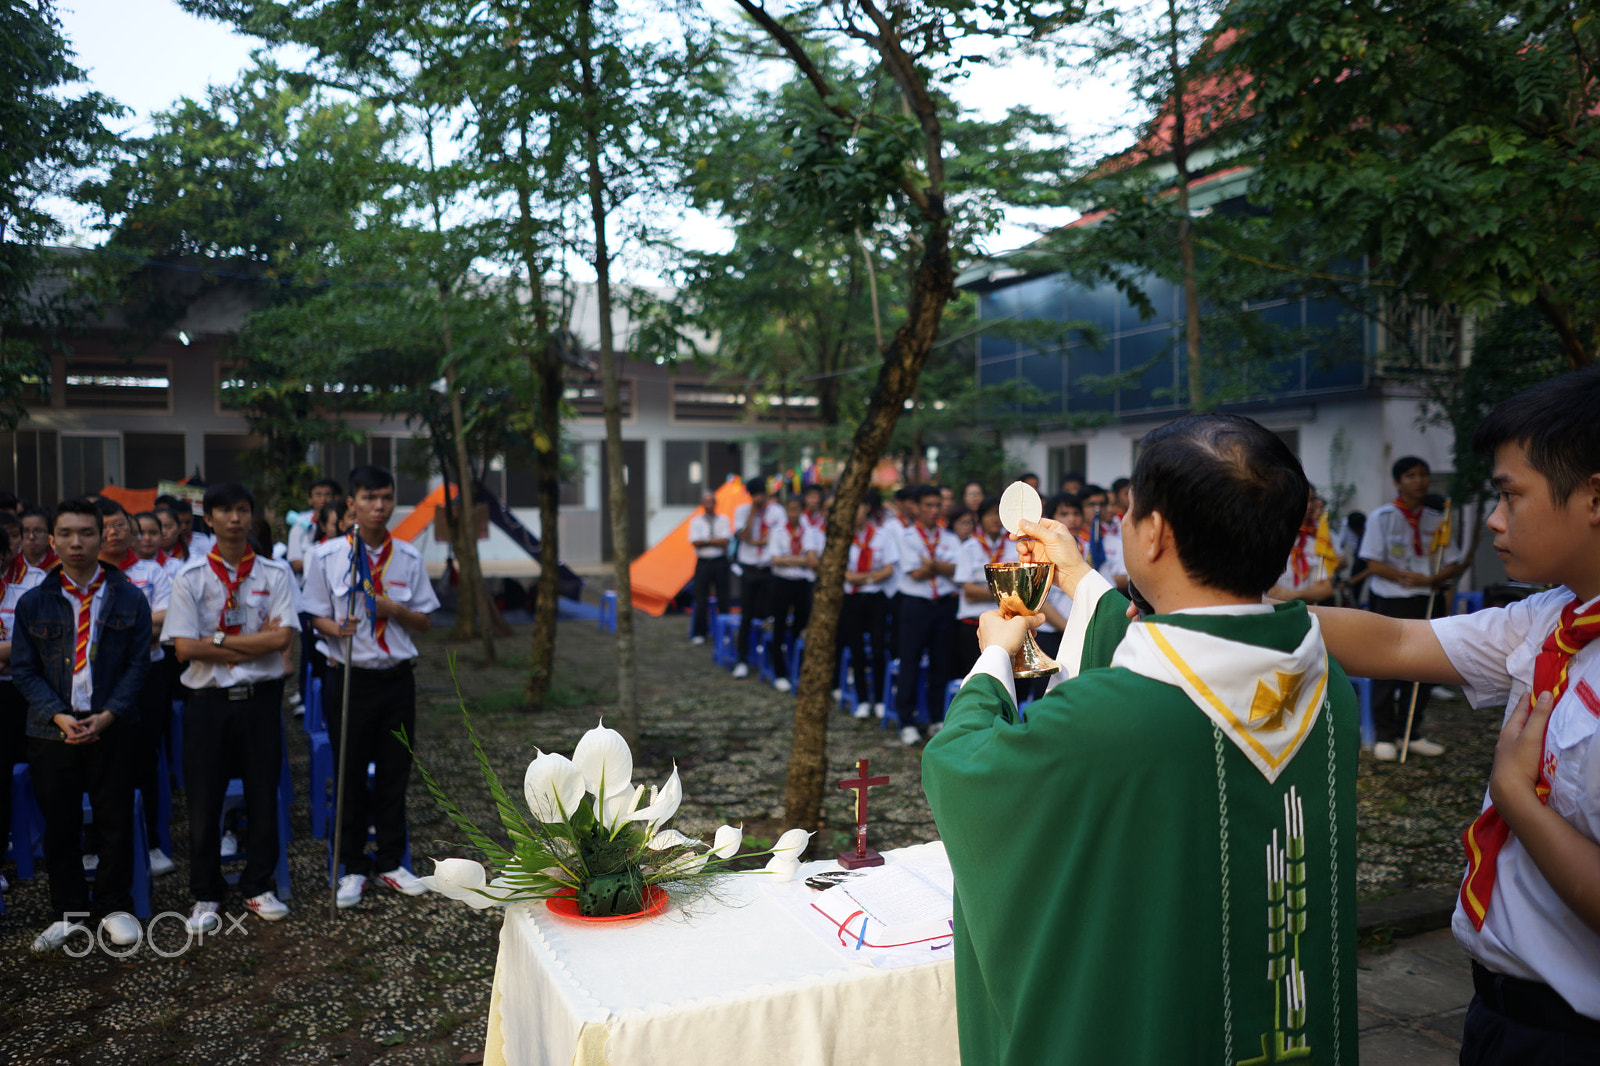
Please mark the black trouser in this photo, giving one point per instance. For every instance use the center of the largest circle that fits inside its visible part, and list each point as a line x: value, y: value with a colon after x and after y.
x: 308, y: 648
x: 755, y: 597
x: 1391, y: 700
x: 221, y: 735
x: 381, y: 703
x: 791, y: 610
x: 1513, y: 1022
x: 62, y: 773
x: 965, y: 651
x: 861, y: 622
x: 708, y: 573
x: 925, y: 626
x: 13, y: 749
x: 155, y: 715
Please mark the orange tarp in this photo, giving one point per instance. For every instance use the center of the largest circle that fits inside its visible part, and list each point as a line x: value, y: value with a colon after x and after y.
x: 659, y: 574
x: 133, y: 500
x: 421, y: 516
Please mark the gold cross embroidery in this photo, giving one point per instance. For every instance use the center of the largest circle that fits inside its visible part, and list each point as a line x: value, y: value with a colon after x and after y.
x: 1268, y: 707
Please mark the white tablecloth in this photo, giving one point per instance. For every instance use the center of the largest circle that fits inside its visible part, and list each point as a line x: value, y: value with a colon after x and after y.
x: 735, y: 979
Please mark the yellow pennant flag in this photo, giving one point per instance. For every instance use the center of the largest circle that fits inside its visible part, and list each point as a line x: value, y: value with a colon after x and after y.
x: 1324, y: 544
x: 1441, y: 536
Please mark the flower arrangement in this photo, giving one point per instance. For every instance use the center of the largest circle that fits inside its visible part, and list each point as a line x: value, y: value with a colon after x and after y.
x: 588, y: 832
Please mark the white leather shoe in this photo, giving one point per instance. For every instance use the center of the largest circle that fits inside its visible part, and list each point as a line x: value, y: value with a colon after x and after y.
x: 909, y: 735
x: 1385, y: 751
x: 350, y: 889
x: 1424, y: 746
x: 782, y: 684
x: 268, y: 906
x: 403, y: 880
x: 863, y: 710
x: 205, y: 917
x: 741, y: 670
x: 56, y: 934
x: 121, y: 928
x: 160, y: 863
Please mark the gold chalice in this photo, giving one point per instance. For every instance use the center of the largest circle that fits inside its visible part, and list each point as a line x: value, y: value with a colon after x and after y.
x: 1021, y: 588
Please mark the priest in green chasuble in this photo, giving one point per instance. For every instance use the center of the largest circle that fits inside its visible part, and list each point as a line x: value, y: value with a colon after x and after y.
x: 1155, y: 862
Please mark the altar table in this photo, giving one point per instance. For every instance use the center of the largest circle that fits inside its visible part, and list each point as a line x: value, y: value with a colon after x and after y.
x: 734, y: 979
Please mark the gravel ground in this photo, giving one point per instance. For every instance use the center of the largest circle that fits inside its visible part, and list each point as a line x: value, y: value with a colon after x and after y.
x: 406, y: 980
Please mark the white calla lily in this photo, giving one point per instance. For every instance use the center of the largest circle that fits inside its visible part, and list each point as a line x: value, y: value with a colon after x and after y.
x: 553, y: 787
x: 664, y: 804
x: 617, y: 809
x: 727, y: 842
x: 667, y: 838
x: 684, y: 865
x: 790, y: 845
x: 463, y: 880
x: 783, y: 869
x: 602, y: 756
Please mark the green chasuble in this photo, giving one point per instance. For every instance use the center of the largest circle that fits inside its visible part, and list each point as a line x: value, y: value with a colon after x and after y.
x: 1156, y: 866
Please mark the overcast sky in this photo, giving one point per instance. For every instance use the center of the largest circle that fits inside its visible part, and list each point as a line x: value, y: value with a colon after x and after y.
x: 145, y: 54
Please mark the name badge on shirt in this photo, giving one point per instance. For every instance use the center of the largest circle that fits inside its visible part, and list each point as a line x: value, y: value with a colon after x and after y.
x: 234, y: 617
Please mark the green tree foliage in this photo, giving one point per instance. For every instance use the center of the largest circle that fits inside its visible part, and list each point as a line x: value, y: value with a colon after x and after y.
x: 47, y: 137
x: 1455, y: 143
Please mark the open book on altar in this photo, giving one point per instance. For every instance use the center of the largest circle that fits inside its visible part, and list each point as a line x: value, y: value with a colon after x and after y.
x: 898, y: 905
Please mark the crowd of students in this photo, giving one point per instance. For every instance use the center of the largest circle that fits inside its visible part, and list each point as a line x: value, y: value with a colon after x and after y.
x: 915, y: 584
x: 109, y: 619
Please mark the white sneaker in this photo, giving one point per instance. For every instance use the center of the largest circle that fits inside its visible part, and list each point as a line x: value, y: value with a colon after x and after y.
x: 91, y: 863
x: 5, y: 886
x: 160, y: 863
x: 230, y: 845
x: 837, y: 694
x: 933, y: 730
x: 1440, y: 692
x: 1385, y: 751
x: 205, y: 917
x: 122, y: 928
x: 350, y: 888
x: 1424, y: 746
x: 909, y: 735
x: 863, y: 710
x: 782, y: 684
x: 403, y: 880
x: 56, y: 934
x: 697, y: 641
x: 740, y: 670
x: 268, y: 906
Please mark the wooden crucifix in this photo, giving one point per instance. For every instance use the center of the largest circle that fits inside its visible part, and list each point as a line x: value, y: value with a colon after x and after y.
x: 863, y: 855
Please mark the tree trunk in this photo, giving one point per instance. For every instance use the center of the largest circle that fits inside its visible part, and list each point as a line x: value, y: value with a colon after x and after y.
x: 616, y: 488
x: 470, y: 620
x: 897, y: 380
x: 1180, y: 162
x: 1560, y: 319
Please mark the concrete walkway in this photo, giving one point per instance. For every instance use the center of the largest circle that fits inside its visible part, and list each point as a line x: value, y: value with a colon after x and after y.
x: 1413, y: 1001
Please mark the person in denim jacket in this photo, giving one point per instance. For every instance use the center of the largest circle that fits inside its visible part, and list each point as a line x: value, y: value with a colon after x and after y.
x: 79, y: 654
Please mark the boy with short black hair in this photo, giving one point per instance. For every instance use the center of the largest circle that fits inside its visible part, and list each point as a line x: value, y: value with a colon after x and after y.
x: 231, y: 617
x: 1529, y: 907
x: 342, y: 576
x: 754, y: 527
x: 79, y: 655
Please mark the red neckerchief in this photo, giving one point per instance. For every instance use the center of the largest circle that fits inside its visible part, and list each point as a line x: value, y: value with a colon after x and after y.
x: 17, y: 570
x: 761, y: 526
x: 1083, y: 543
x: 1489, y: 833
x: 85, y: 598
x: 1415, y: 518
x: 220, y: 568
x: 128, y: 561
x: 995, y: 552
x: 1299, y: 565
x: 815, y: 521
x: 161, y: 557
x: 864, y: 549
x: 377, y: 566
x: 796, y: 536
x: 932, y: 546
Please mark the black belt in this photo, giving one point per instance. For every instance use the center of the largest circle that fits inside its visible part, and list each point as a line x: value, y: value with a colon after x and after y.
x: 378, y: 674
x: 247, y: 690
x: 1531, y: 1003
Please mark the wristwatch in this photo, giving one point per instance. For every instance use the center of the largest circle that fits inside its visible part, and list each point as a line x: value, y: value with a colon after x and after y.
x: 217, y: 638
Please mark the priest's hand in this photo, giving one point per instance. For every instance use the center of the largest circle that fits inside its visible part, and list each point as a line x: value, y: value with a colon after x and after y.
x: 998, y: 629
x: 1048, y: 541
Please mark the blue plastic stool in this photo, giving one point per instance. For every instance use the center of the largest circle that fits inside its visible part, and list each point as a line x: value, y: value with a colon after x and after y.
x: 796, y: 653
x: 315, y: 720
x: 761, y: 647
x: 233, y: 799
x: 846, y: 683
x: 1472, y: 601
x: 950, y: 691
x: 319, y: 751
x: 725, y: 640
x: 175, y: 744
x: 27, y: 823
x: 608, y: 612
x: 163, y: 801
x: 891, y: 683
x: 1363, y: 688
x: 336, y: 869
x: 711, y: 618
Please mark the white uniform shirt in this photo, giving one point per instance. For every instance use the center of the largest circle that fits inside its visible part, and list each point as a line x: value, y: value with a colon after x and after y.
x: 150, y: 578
x: 299, y: 541
x: 818, y: 521
x: 1529, y: 932
x: 1111, y: 541
x: 31, y: 577
x: 895, y: 527
x: 1316, y: 566
x: 200, y: 544
x: 1388, y: 540
x: 881, y: 543
x: 83, y: 680
x: 782, y: 543
x: 977, y: 553
x: 328, y: 595
x: 757, y: 551
x: 1063, y: 605
x: 710, y: 527
x: 912, y: 548
x: 8, y: 614
x: 195, y: 613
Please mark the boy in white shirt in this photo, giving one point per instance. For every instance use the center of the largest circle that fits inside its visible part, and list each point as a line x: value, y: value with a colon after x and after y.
x: 1529, y: 908
x: 709, y: 533
x: 754, y: 524
x: 795, y: 546
x: 989, y: 544
x: 863, y: 616
x: 927, y: 609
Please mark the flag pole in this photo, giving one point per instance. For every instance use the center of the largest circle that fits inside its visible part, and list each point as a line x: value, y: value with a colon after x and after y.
x: 1416, y: 686
x: 343, y: 758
